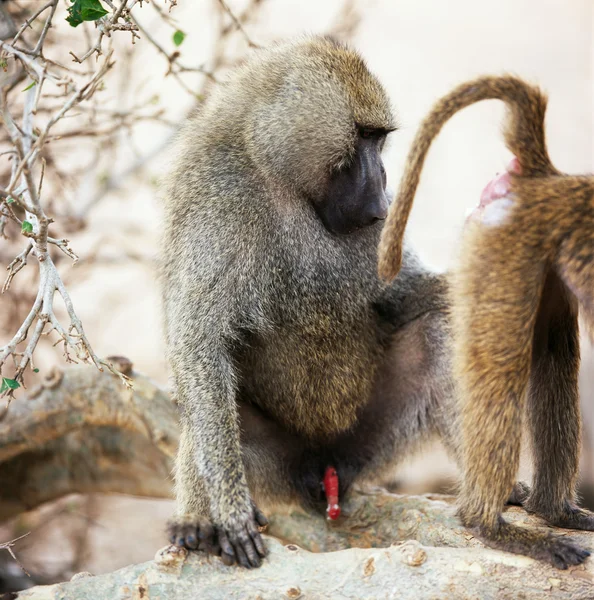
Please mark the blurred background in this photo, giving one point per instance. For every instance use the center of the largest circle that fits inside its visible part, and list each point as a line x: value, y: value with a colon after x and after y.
x: 101, y: 184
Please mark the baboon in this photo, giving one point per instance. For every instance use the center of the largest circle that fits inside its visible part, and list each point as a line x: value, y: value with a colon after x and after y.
x: 526, y: 264
x: 288, y: 354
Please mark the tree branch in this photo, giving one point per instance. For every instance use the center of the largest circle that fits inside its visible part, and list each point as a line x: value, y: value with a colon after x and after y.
x: 407, y: 571
x: 31, y: 121
x: 83, y: 432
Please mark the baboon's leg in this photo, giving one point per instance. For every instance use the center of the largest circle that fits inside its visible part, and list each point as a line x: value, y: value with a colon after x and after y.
x: 494, y: 327
x: 191, y: 527
x: 553, y: 409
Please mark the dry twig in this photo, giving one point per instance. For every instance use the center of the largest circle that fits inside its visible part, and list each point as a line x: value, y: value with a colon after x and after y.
x: 8, y: 547
x: 37, y: 117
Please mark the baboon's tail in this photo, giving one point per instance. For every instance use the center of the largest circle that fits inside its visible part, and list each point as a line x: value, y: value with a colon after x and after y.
x: 524, y: 136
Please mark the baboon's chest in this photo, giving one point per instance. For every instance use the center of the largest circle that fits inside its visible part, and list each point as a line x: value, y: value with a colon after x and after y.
x: 312, y: 382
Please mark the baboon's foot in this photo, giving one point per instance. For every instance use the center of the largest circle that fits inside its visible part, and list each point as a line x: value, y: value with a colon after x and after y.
x: 570, y: 516
x: 519, y: 494
x: 558, y: 551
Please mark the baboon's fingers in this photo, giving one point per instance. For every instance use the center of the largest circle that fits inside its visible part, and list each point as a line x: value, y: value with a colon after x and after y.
x: 208, y: 540
x: 239, y: 548
x: 228, y: 559
x: 183, y: 533
x: 260, y: 518
x: 225, y: 544
x: 194, y: 533
x: 257, y: 540
x: 242, y: 558
x: 191, y: 539
x: 567, y: 555
x: 249, y: 545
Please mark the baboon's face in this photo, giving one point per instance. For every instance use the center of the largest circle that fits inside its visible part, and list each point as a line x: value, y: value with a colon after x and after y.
x: 316, y: 127
x: 356, y: 194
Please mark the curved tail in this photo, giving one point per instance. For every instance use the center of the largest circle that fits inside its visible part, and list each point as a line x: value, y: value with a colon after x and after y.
x: 524, y: 137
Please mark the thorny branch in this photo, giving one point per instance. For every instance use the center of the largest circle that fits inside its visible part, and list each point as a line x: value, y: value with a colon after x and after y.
x: 24, y: 189
x: 21, y: 200
x: 36, y: 117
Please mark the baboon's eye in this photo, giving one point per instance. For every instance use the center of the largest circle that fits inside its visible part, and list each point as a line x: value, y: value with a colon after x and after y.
x: 367, y: 133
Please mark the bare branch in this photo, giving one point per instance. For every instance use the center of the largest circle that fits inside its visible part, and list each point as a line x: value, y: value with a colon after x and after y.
x: 126, y: 440
x: 174, y: 68
x: 16, y: 265
x: 66, y: 249
x: 46, y: 26
x: 34, y: 120
x: 8, y: 547
x: 49, y: 280
x: 238, y: 24
x: 31, y: 64
x: 33, y: 17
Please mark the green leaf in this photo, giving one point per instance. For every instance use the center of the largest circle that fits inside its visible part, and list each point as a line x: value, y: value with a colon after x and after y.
x: 26, y: 227
x: 29, y: 86
x: 3, y: 64
x: 179, y: 37
x: 9, y: 384
x: 9, y: 200
x: 84, y: 10
x: 35, y: 370
x: 92, y: 13
x: 73, y: 19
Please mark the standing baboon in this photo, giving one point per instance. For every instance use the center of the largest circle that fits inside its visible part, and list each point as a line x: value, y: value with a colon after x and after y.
x: 288, y: 353
x: 526, y: 262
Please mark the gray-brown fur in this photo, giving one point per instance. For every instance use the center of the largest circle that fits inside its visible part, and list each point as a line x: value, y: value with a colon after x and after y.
x: 287, y: 352
x: 515, y: 297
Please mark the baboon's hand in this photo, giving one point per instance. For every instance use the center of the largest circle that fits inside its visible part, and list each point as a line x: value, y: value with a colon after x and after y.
x: 193, y: 532
x: 240, y: 539
x: 237, y: 542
